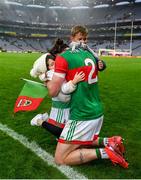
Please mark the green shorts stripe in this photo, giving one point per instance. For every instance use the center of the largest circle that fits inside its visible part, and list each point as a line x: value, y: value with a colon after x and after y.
x: 71, y: 130
x: 59, y: 116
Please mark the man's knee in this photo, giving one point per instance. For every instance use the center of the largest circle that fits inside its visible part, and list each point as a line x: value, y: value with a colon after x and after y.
x: 62, y: 153
x: 59, y: 160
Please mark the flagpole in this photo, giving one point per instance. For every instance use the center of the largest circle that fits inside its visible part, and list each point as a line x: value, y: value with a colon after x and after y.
x: 28, y: 80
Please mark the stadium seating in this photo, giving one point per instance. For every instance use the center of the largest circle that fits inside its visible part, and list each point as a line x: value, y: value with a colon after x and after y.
x: 69, y: 16
x: 28, y: 20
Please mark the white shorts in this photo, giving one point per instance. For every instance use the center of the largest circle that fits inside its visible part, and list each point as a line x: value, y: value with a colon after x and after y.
x: 59, y: 117
x: 81, y: 132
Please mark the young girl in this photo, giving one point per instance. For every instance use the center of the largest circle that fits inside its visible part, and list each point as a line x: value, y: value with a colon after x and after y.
x: 60, y: 104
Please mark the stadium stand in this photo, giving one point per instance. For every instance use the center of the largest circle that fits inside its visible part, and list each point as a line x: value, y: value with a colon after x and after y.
x: 33, y: 25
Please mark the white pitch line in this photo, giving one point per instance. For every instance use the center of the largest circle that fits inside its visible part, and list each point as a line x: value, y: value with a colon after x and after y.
x: 45, y: 156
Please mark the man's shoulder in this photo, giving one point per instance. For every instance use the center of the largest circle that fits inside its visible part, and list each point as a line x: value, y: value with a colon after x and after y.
x: 70, y: 52
x: 66, y: 54
x: 67, y: 51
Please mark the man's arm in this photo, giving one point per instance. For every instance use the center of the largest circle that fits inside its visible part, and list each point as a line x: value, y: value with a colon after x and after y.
x: 55, y: 84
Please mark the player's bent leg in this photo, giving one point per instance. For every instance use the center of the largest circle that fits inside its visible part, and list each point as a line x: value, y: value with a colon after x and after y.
x: 80, y: 156
x: 72, y: 154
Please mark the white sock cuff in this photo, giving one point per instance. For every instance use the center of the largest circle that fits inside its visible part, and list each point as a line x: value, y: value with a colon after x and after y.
x: 103, y: 154
x: 105, y: 141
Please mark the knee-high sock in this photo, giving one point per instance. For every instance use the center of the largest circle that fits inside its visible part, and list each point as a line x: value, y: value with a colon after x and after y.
x: 56, y: 131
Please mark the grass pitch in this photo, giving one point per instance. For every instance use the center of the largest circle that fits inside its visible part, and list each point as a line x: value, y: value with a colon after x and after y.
x: 120, y: 88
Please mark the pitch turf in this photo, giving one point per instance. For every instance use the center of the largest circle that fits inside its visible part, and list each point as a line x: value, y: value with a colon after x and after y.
x: 120, y: 87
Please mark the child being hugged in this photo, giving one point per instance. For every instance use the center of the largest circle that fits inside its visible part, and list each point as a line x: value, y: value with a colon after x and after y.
x: 43, y: 68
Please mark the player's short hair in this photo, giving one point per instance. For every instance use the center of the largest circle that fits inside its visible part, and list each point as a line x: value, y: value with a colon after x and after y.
x: 79, y: 29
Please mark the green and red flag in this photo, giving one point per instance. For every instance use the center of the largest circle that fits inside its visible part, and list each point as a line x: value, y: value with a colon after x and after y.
x: 30, y: 97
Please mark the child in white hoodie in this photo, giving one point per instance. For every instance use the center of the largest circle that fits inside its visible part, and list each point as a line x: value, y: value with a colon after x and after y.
x: 59, y: 114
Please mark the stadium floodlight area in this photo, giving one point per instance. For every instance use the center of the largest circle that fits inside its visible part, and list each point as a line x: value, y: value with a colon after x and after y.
x: 112, y: 52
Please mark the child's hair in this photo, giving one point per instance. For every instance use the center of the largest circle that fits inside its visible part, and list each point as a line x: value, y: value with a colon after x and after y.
x: 79, y: 29
x: 58, y: 47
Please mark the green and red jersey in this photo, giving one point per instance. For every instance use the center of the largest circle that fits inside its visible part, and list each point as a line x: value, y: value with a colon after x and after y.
x: 85, y: 101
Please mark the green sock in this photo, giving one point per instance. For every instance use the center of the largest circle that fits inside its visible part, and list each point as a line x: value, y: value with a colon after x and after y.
x: 98, y: 153
x: 101, y: 141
